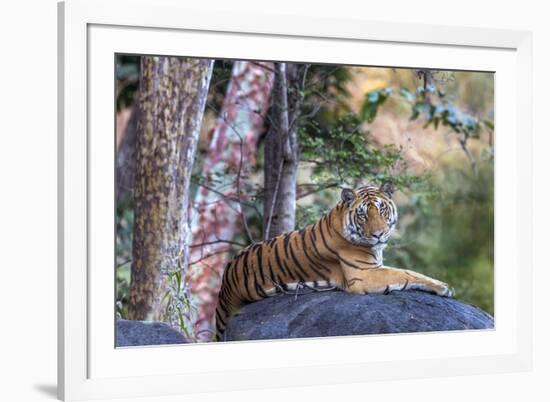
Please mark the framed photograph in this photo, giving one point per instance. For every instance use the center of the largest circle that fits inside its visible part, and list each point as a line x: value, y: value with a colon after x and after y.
x: 240, y: 194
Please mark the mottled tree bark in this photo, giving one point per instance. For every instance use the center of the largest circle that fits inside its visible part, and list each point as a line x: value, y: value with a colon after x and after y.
x: 281, y: 151
x: 218, y: 216
x: 172, y: 96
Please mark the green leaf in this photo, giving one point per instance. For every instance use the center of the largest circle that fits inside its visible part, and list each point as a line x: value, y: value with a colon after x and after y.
x: 372, y: 97
x: 407, y: 95
x: 489, y: 124
x: 368, y: 111
x: 415, y: 113
x: 373, y: 100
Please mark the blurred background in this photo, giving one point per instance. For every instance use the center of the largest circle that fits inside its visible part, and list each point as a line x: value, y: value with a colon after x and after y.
x: 429, y: 132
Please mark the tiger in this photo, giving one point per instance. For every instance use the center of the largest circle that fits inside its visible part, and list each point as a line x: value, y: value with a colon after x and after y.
x: 343, y: 250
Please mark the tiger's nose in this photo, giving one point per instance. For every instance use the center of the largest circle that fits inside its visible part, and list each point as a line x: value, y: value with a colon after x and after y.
x: 378, y: 233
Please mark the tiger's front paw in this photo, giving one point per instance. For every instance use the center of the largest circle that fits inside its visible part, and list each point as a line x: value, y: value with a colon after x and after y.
x: 444, y: 290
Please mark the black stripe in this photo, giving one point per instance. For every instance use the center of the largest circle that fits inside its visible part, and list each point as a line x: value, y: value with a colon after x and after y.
x: 316, y: 250
x: 329, y: 226
x: 228, y: 275
x: 221, y: 305
x: 312, y: 233
x: 352, y: 281
x: 278, y: 260
x: 219, y: 318
x: 365, y: 262
x: 279, y: 283
x: 260, y: 267
x: 286, y: 240
x: 334, y: 252
x: 317, y: 254
x: 245, y: 274
x: 312, y: 264
x: 350, y: 264
x: 324, y: 240
x: 259, y: 291
x: 369, y: 253
x: 227, y: 266
x: 222, y: 292
x: 298, y: 266
x: 272, y: 276
x: 281, y: 265
x: 227, y: 292
x: 235, y: 275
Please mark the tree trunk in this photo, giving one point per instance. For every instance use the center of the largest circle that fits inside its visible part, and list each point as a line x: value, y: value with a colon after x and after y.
x: 172, y: 96
x: 231, y: 152
x: 281, y: 152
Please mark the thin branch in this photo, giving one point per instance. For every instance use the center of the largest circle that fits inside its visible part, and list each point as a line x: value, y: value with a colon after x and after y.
x: 123, y: 263
x: 241, y: 145
x: 469, y: 155
x: 304, y: 76
x: 313, y: 111
x: 238, y: 199
x: 318, y: 289
x: 123, y: 84
x: 218, y: 241
x: 300, y: 286
x: 264, y: 66
x: 325, y: 97
x: 273, y: 200
x: 298, y: 101
x: 320, y: 188
x: 282, y: 126
x: 226, y: 197
x: 209, y: 255
x: 323, y: 77
x: 316, y: 162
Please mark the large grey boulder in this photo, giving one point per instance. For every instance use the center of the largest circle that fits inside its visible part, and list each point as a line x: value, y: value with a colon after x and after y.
x: 137, y: 333
x: 334, y: 313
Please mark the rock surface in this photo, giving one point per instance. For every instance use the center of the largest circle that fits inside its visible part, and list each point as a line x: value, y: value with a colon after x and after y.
x: 336, y: 313
x: 137, y: 333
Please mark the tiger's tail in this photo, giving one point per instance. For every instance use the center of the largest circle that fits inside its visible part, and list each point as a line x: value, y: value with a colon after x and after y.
x: 226, y: 307
x: 224, y: 311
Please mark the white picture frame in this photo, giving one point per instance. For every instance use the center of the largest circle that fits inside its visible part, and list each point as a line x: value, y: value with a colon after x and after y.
x: 89, y: 365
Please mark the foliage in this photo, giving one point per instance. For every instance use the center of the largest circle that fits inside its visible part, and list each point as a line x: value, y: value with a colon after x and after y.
x: 373, y: 100
x: 124, y: 229
x: 450, y: 233
x: 309, y: 214
x: 436, y: 107
x: 179, y: 312
x: 336, y: 147
x: 341, y: 153
x: 127, y: 74
x: 450, y: 230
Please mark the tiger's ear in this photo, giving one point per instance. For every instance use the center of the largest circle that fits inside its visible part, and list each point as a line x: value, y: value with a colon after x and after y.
x: 387, y: 188
x: 348, y: 195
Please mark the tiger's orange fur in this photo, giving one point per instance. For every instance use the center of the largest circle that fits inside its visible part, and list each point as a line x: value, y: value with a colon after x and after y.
x: 342, y: 250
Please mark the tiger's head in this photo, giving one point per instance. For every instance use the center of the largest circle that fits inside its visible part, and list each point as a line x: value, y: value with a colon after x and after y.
x: 369, y: 215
